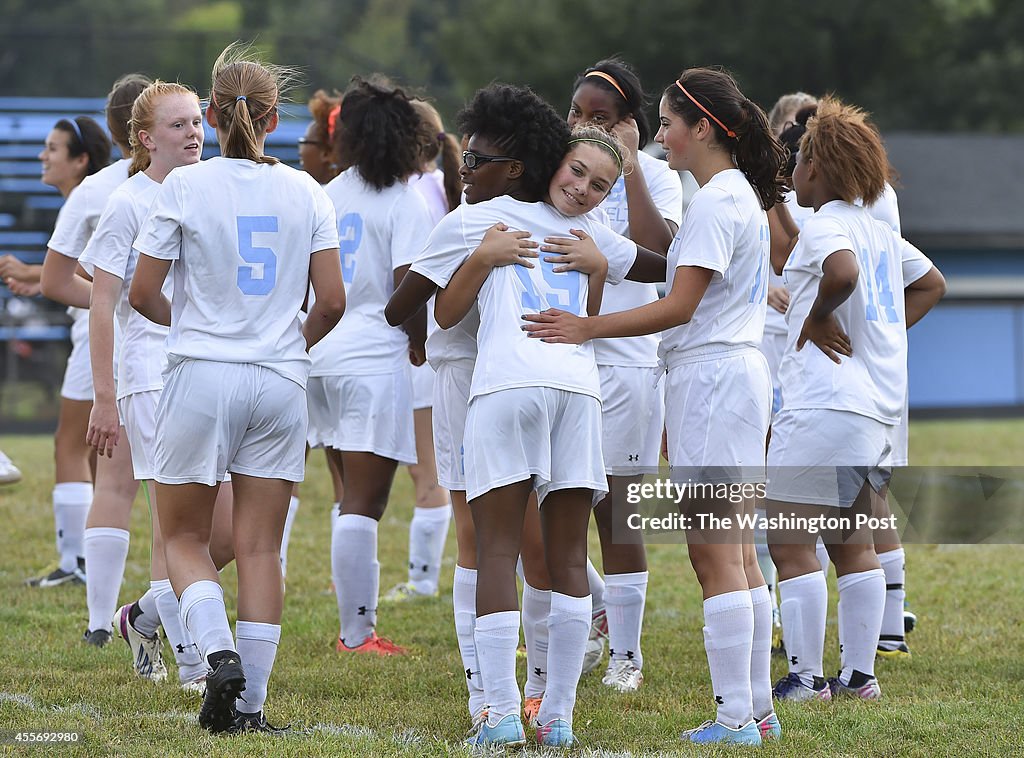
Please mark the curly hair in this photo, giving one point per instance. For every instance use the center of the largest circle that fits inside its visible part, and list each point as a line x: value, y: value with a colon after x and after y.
x: 378, y: 132
x: 522, y: 124
x: 847, y: 149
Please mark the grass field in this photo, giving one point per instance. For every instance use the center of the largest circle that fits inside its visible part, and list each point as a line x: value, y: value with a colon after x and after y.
x: 959, y: 695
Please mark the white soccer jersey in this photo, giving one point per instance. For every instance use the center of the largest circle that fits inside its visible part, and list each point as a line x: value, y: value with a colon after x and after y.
x: 507, y: 356
x: 873, y: 381
x: 141, y: 353
x: 379, y: 232
x: 431, y: 186
x: 725, y: 230
x: 667, y: 192
x: 240, y: 235
x: 78, y: 217
x: 886, y: 208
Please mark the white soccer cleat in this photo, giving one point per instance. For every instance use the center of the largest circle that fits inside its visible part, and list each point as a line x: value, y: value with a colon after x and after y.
x: 623, y: 676
x: 9, y: 473
x: 147, y: 658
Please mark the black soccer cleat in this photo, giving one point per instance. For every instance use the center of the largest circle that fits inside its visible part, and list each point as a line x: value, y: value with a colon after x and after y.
x: 97, y: 637
x: 223, y: 685
x: 257, y: 722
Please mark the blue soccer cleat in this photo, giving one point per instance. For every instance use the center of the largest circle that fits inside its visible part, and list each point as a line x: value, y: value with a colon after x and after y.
x: 508, y: 731
x: 769, y: 727
x: 711, y: 732
x: 556, y: 733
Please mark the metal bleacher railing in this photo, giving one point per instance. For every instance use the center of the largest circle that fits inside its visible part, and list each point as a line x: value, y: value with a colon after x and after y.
x: 34, y: 331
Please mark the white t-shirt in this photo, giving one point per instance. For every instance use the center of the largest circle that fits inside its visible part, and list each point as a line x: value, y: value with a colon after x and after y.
x: 724, y: 230
x: 507, y: 357
x: 431, y: 186
x: 141, y: 353
x: 379, y: 232
x: 77, y: 218
x: 873, y: 381
x: 667, y: 192
x: 886, y: 208
x: 241, y: 235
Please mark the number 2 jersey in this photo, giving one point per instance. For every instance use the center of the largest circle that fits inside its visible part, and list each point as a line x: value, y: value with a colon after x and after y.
x: 241, y: 235
x: 507, y: 357
x: 873, y: 381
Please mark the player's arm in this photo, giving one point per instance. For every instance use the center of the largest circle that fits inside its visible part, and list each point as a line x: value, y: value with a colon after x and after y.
x: 61, y: 283
x: 415, y: 326
x: 499, y: 247
x: 104, y: 422
x: 675, y: 309
x: 647, y: 226
x: 329, y: 291
x: 145, y: 294
x: 839, y: 279
x: 649, y: 267
x: 13, y: 269
x: 783, y: 233
x: 410, y: 295
x: 921, y: 296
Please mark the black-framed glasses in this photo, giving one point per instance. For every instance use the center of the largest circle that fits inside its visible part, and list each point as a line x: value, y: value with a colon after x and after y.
x: 473, y: 160
x: 304, y: 141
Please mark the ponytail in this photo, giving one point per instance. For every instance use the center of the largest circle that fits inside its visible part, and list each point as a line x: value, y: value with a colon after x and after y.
x: 451, y: 160
x: 435, y: 141
x: 739, y: 126
x: 245, y: 95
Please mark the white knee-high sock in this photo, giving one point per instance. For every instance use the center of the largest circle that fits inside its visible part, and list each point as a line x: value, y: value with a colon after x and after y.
x: 191, y: 665
x: 293, y: 508
x: 257, y: 645
x: 861, y: 604
x: 822, y: 554
x: 356, y: 576
x: 428, y: 531
x: 894, y: 566
x: 71, y: 501
x: 464, y: 603
x: 728, y: 638
x: 536, y: 608
x: 568, y: 629
x: 147, y: 620
x: 596, y: 582
x: 804, y: 605
x: 106, y: 550
x: 625, y: 596
x: 497, y: 635
x: 761, y: 653
x: 202, y: 609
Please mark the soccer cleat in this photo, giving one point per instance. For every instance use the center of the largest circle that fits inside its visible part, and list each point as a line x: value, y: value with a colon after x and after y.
x: 769, y: 727
x: 902, y: 652
x: 711, y: 732
x: 623, y: 675
x: 223, y: 686
x: 256, y: 722
x: 531, y: 707
x: 556, y: 733
x: 96, y: 638
x: 373, y: 644
x: 508, y: 731
x: 148, y: 660
x: 9, y: 473
x: 405, y: 591
x: 595, y: 642
x: 870, y: 690
x: 56, y: 577
x: 909, y: 619
x: 195, y: 687
x: 478, y: 721
x: 790, y: 687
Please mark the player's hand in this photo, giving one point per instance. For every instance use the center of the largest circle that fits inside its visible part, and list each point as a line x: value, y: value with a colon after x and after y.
x: 25, y: 289
x: 104, y: 428
x: 629, y: 133
x: 778, y: 298
x: 827, y: 335
x: 12, y: 268
x: 556, y: 326
x: 500, y: 247
x: 417, y: 355
x: 576, y: 253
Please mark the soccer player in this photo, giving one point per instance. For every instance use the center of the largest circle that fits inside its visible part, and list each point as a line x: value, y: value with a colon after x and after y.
x: 360, y: 393
x: 646, y: 205
x: 718, y: 392
x: 842, y: 395
x: 246, y: 236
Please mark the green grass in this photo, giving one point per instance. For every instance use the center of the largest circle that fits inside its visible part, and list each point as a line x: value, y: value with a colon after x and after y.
x: 959, y: 695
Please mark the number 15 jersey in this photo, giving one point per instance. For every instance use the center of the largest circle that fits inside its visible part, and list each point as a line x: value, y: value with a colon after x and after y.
x: 507, y: 357
x: 241, y: 235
